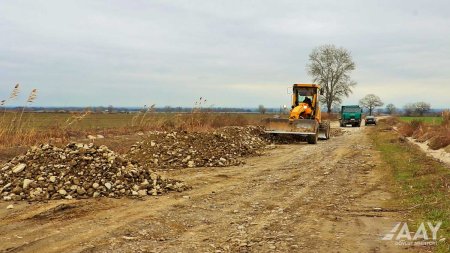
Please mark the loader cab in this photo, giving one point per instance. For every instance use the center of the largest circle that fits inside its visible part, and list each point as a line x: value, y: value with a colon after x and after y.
x: 305, y: 92
x: 305, y: 95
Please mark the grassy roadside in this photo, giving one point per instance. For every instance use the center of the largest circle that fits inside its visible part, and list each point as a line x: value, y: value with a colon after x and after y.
x: 419, y: 183
x: 425, y: 119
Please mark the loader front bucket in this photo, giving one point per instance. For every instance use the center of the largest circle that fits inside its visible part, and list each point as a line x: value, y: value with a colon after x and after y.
x: 322, y: 134
x: 324, y: 130
x: 287, y: 126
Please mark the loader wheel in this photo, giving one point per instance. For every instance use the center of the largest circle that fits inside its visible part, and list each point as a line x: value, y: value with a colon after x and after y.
x: 312, y: 139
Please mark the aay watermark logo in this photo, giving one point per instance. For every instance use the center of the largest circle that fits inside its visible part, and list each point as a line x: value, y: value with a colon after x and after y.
x: 426, y: 234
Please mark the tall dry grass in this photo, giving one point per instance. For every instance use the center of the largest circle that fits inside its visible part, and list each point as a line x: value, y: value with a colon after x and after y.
x: 438, y: 136
x: 441, y: 136
x: 446, y: 118
x: 142, y: 118
x: 201, y: 118
x: 75, y: 118
x: 13, y: 129
x: 17, y: 130
x: 17, y: 127
x: 329, y: 116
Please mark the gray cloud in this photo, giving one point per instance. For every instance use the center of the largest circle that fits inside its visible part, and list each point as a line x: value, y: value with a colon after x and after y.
x: 235, y: 53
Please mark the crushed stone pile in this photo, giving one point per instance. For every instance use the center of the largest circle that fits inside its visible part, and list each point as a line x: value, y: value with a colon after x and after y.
x: 223, y: 147
x: 78, y: 171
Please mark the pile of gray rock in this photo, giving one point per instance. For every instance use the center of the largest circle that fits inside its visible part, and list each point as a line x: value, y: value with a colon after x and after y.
x: 223, y: 147
x: 78, y: 171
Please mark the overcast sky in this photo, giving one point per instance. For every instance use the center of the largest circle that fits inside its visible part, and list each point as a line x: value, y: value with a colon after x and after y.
x: 234, y: 53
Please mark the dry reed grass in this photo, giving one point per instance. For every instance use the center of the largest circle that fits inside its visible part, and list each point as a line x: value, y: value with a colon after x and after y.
x: 329, y: 116
x: 446, y: 118
x: 200, y: 119
x: 15, y: 129
x: 438, y: 136
x: 75, y: 118
x: 391, y: 121
x: 12, y: 129
x: 18, y: 130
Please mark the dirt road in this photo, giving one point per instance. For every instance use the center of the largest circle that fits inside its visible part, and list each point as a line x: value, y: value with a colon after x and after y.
x: 296, y: 198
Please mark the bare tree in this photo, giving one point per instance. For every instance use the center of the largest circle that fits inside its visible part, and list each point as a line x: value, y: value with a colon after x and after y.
x: 408, y: 109
x: 422, y: 107
x: 330, y: 67
x: 262, y: 109
x: 110, y: 109
x: 391, y: 109
x: 168, y: 109
x: 370, y: 101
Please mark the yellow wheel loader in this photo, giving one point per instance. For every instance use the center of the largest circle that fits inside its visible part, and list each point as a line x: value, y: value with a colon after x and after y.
x: 304, y: 118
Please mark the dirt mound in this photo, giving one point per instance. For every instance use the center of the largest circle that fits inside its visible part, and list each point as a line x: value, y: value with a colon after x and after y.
x: 440, y: 140
x: 223, y: 147
x: 78, y: 171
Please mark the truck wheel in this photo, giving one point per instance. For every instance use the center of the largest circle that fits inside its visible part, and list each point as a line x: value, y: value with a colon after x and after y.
x: 312, y: 139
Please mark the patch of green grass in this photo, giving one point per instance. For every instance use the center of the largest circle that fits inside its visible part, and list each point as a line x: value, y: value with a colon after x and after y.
x: 425, y: 119
x: 420, y: 184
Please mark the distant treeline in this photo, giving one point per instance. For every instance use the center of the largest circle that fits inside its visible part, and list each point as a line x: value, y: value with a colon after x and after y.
x: 166, y: 109
x: 179, y: 109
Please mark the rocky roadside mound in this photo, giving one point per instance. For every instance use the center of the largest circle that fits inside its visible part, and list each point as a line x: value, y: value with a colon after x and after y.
x: 223, y: 147
x: 78, y: 171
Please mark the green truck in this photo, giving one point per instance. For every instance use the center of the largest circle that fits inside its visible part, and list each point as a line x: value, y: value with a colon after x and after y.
x: 351, y: 115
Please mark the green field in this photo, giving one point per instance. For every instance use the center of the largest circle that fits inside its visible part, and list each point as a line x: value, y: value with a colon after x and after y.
x: 425, y: 119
